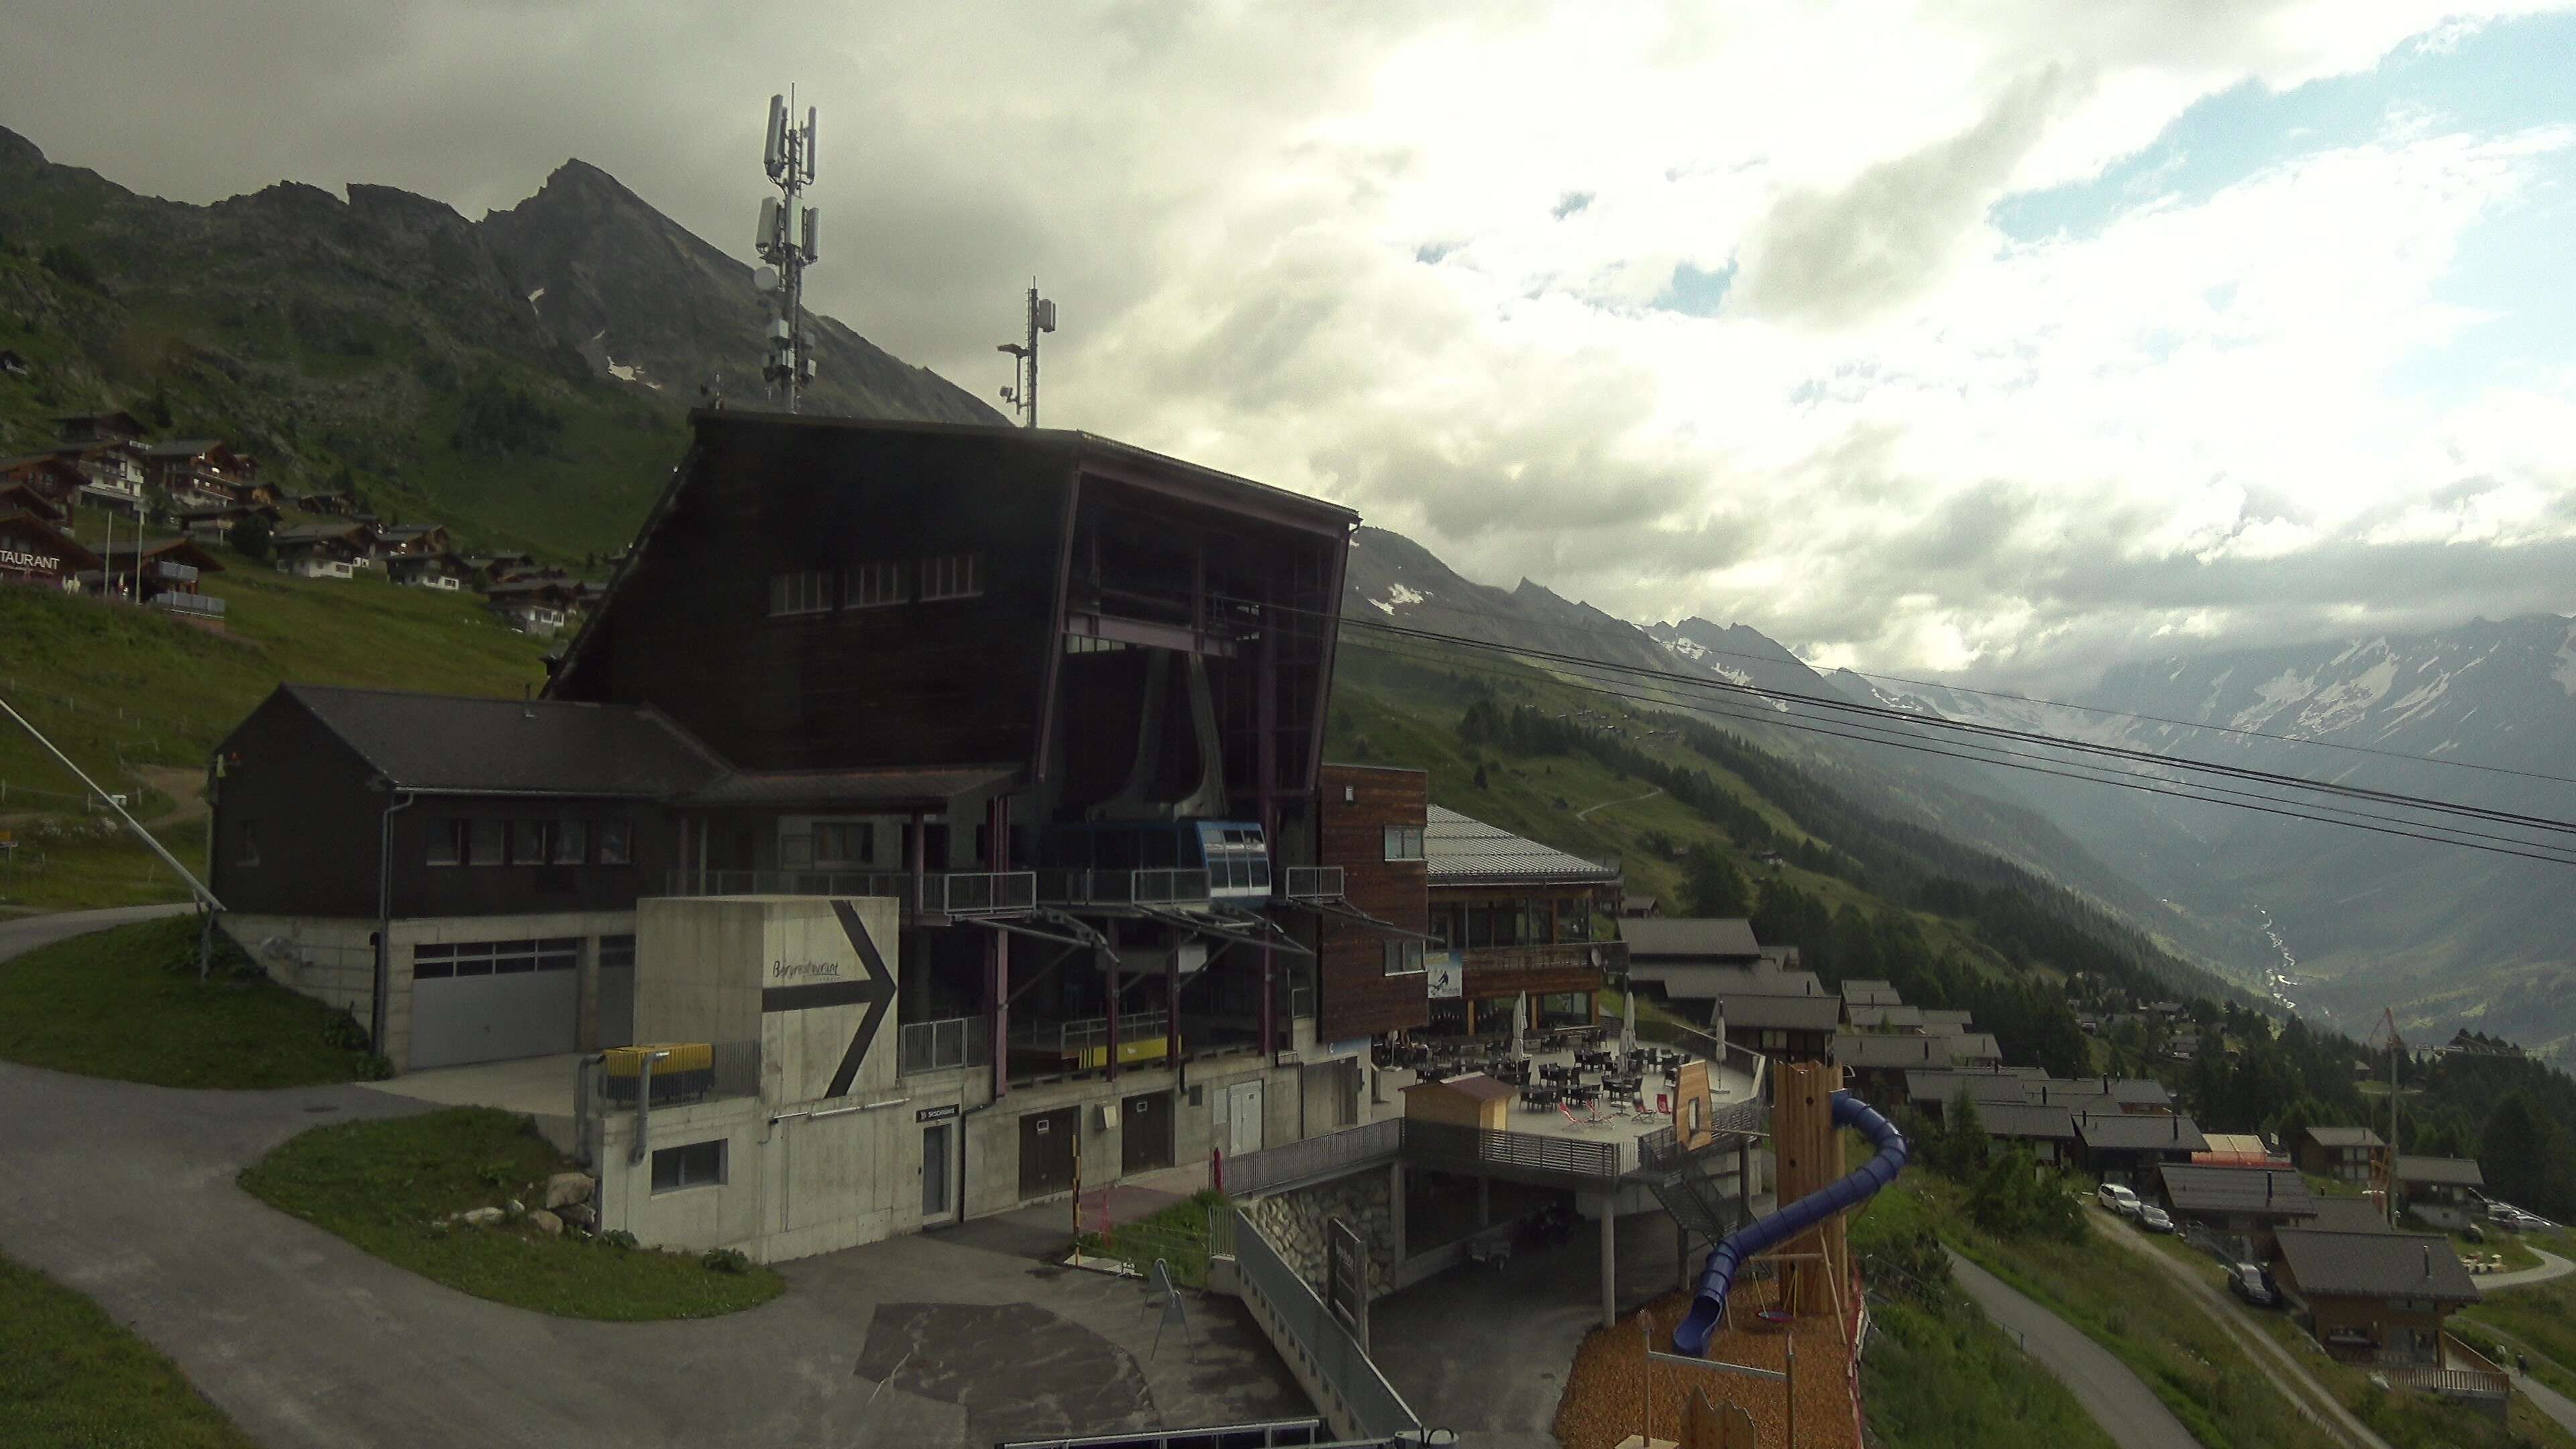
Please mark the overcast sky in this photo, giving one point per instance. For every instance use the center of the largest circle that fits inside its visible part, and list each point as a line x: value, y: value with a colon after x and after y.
x: 1999, y: 338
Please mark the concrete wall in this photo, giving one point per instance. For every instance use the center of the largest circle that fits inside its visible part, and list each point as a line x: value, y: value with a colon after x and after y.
x: 993, y: 1135
x: 332, y: 959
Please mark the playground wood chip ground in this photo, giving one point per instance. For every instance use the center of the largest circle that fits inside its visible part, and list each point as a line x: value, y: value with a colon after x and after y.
x: 1607, y: 1393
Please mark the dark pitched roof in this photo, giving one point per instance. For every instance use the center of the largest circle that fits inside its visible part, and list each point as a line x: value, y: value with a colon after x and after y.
x: 2194, y: 1188
x: 2349, y: 1215
x: 2024, y: 1119
x: 509, y: 746
x: 2344, y: 1137
x: 1710, y: 939
x: 1464, y: 851
x: 64, y: 546
x: 2125, y: 1132
x: 1897, y: 1017
x: 2447, y: 1171
x: 1880, y: 1051
x: 2375, y: 1265
x: 1701, y: 983
x: 1779, y: 1013
x: 1944, y: 1086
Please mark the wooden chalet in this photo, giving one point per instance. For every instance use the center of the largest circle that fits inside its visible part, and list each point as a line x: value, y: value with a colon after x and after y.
x: 1372, y: 981
x: 204, y: 473
x: 2353, y: 1155
x: 106, y: 427
x: 440, y: 571
x: 321, y: 550
x: 411, y: 540
x: 2384, y: 1300
x: 23, y: 497
x: 34, y: 552
x: 1520, y: 921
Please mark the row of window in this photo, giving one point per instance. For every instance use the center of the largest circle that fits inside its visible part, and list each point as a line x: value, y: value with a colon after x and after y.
x: 878, y: 585
x: 529, y: 842
x: 430, y: 962
x: 695, y: 1164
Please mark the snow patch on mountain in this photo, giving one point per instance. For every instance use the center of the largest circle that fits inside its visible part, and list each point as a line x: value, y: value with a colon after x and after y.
x: 2344, y: 703
x: 2274, y: 695
x: 1398, y: 596
x: 1687, y: 647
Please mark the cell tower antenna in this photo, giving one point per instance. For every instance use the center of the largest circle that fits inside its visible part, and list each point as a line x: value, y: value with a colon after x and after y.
x: 1022, y: 394
x: 787, y: 246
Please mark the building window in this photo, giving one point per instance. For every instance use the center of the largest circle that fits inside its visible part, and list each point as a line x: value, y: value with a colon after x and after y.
x: 876, y: 585
x: 616, y: 953
x: 613, y: 848
x: 528, y: 842
x: 1403, y: 958
x: 495, y: 958
x: 1773, y: 1041
x: 805, y: 593
x: 845, y: 842
x: 1404, y: 842
x: 246, y: 848
x: 699, y: 1164
x: 447, y: 842
x: 567, y: 845
x: 485, y: 848
x: 952, y: 576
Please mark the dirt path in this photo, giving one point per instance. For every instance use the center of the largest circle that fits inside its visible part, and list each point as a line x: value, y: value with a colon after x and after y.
x: 1586, y: 812
x: 2270, y: 1358
x: 183, y: 786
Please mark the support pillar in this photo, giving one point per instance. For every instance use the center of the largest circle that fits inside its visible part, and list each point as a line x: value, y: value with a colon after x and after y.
x: 1395, y: 1212
x: 997, y: 955
x: 1681, y: 1252
x: 1109, y: 969
x: 1609, y: 1261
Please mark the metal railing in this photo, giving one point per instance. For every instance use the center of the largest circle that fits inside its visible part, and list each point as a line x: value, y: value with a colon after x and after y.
x: 1157, y: 887
x: 943, y: 893
x: 1470, y: 1149
x: 1090, y: 1033
x: 938, y: 1046
x: 1553, y: 958
x: 1312, y: 883
x: 1314, y: 1159
x: 1359, y: 1400
x: 205, y: 605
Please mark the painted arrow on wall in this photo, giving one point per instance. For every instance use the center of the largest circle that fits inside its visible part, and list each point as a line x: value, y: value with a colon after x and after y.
x: 876, y: 989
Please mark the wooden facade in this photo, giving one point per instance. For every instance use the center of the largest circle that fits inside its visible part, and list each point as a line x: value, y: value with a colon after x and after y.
x: 1358, y: 804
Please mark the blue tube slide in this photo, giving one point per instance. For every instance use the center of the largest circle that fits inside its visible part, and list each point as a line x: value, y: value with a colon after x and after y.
x: 1708, y: 1310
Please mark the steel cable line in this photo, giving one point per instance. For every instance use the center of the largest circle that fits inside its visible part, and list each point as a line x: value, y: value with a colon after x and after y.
x: 1845, y: 706
x: 2427, y: 832
x: 1999, y: 758
x: 2093, y: 709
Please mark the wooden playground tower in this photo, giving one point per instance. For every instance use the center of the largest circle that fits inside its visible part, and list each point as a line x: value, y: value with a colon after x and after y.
x: 1774, y: 1376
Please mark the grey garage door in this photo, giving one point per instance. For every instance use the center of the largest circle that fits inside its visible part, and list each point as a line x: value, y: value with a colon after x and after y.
x: 488, y: 1001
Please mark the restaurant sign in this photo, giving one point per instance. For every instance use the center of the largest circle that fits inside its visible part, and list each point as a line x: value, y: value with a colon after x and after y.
x: 34, y: 563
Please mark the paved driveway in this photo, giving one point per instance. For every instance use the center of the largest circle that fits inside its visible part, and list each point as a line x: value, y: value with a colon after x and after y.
x: 20, y: 934
x: 2108, y: 1389
x: 2551, y: 1266
x: 127, y: 1193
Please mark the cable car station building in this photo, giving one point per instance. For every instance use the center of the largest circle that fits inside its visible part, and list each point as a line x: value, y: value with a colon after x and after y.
x: 1051, y: 705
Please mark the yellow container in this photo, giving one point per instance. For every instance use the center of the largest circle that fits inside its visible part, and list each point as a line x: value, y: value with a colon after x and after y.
x: 685, y: 1056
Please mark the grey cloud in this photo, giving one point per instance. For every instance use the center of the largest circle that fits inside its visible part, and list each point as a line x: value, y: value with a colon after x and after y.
x: 1836, y: 257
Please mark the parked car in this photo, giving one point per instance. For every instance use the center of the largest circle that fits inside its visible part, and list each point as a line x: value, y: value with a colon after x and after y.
x: 2119, y: 1199
x: 2154, y: 1218
x: 2249, y: 1282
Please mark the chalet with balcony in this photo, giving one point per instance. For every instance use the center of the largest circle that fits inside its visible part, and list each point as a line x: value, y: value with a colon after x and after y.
x: 412, y: 540
x: 169, y: 576
x: 2354, y: 1155
x: 2122, y: 1147
x: 2246, y: 1206
x: 1521, y: 922
x: 337, y: 550
x: 22, y: 497
x: 2446, y: 1192
x: 536, y: 607
x: 438, y: 571
x: 2383, y: 1300
x: 1716, y: 967
x: 204, y: 472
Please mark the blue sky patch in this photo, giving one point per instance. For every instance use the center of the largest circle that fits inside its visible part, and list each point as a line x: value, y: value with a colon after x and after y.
x: 1694, y: 292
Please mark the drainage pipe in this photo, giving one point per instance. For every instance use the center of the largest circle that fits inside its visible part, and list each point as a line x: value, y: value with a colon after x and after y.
x: 1708, y: 1310
x: 644, y: 1107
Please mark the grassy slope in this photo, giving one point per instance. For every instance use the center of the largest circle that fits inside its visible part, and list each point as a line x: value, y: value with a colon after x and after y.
x: 383, y: 1185
x: 1393, y: 712
x: 126, y: 1003
x: 70, y: 1378
x: 1939, y: 1373
x: 115, y: 687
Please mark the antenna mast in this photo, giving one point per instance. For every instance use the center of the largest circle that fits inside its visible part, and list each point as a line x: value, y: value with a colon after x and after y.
x: 786, y: 247
x: 1022, y: 394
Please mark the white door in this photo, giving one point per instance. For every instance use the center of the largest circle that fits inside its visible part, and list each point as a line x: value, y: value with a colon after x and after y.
x: 1243, y: 1118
